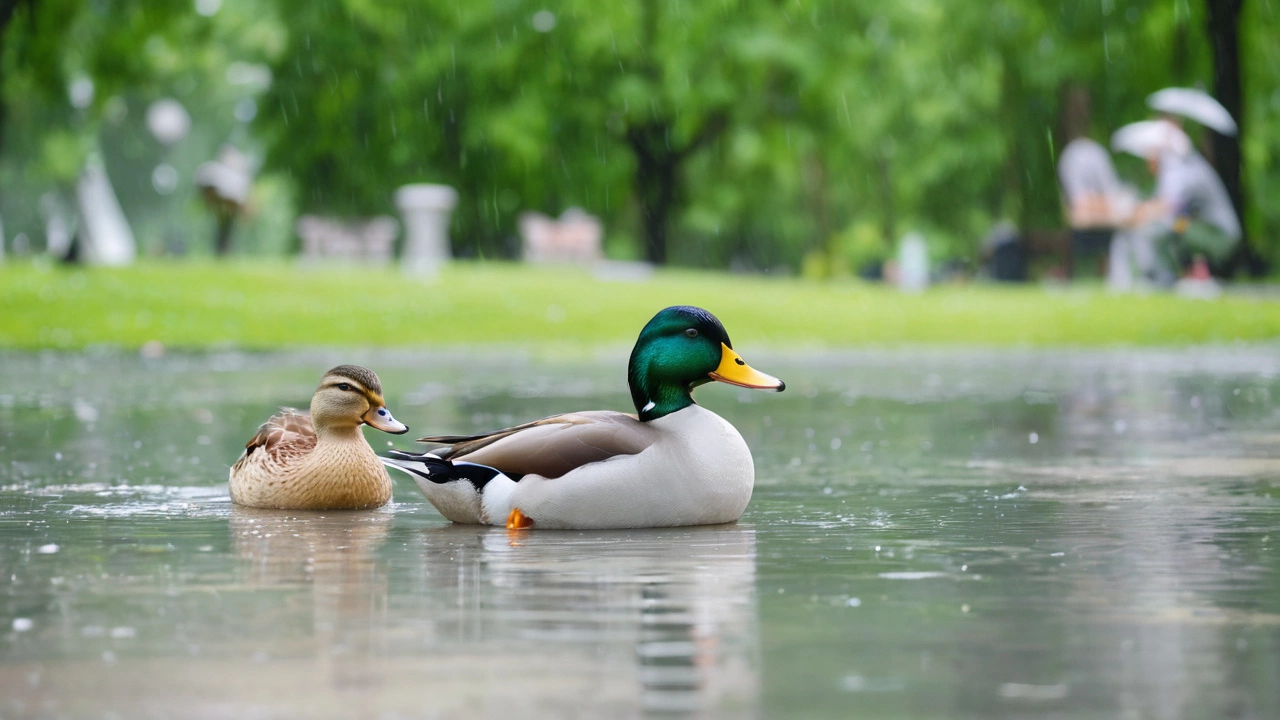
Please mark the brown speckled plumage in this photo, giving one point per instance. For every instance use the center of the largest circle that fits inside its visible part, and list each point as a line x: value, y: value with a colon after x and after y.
x: 290, y: 464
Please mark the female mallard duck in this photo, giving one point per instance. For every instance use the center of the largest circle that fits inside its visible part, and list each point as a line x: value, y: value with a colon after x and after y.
x: 319, y: 461
x: 674, y: 463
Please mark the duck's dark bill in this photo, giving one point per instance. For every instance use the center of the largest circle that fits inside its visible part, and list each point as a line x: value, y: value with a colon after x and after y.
x: 735, y: 371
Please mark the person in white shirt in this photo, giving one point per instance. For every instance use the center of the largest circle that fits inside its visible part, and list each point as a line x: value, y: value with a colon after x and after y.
x: 1191, y: 213
x: 1096, y: 202
x: 1089, y: 183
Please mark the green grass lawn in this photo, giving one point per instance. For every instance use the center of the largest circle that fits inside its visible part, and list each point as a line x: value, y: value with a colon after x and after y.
x: 271, y: 304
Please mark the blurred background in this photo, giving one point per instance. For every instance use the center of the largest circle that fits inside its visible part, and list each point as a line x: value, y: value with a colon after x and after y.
x: 1039, y: 519
x: 785, y: 137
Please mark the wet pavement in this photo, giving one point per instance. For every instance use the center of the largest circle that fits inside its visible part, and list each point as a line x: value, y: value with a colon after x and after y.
x: 934, y: 534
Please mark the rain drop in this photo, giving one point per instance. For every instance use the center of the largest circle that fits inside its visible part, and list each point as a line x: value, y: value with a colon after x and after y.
x: 544, y: 21
x: 164, y: 179
x: 208, y: 8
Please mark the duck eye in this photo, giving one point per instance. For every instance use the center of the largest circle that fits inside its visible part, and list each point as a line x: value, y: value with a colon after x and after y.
x: 691, y: 332
x: 343, y: 386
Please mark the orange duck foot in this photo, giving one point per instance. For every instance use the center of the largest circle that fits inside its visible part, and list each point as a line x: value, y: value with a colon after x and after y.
x: 518, y: 520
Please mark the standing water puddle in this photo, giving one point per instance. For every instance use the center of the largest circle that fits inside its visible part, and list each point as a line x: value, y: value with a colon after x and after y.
x: 933, y: 534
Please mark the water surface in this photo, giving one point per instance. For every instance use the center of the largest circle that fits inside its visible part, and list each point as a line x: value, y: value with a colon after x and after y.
x: 934, y: 534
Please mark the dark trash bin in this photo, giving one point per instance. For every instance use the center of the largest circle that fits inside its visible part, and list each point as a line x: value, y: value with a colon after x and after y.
x: 1089, y: 250
x: 1006, y: 254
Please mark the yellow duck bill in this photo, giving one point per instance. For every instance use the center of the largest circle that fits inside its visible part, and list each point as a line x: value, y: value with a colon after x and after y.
x: 735, y: 371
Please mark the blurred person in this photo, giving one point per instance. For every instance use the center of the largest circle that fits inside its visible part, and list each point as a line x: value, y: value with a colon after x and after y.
x: 1095, y: 200
x: 224, y: 183
x: 1190, y: 213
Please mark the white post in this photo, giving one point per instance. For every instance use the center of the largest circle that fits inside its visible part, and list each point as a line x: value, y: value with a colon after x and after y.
x: 104, y: 231
x: 425, y: 210
x: 913, y: 263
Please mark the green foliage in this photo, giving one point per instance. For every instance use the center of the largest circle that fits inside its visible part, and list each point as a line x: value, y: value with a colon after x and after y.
x: 1260, y: 142
x: 272, y: 305
x: 848, y: 253
x: 63, y: 154
x: 132, y: 53
x: 910, y: 116
x: 757, y: 131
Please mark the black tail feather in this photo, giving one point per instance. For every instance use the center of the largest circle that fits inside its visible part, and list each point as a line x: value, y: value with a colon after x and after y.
x: 433, y: 468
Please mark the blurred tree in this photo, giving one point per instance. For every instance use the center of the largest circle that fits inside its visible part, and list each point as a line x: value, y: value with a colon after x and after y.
x: 77, y: 77
x: 46, y: 46
x: 1260, y: 142
x: 1224, y: 37
x: 517, y: 106
x: 746, y: 133
x: 7, y: 10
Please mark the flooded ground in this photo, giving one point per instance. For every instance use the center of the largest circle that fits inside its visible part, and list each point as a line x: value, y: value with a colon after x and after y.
x: 934, y: 534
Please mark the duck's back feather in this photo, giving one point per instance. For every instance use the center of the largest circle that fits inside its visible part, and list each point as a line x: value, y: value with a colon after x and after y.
x: 553, y: 446
x: 286, y: 436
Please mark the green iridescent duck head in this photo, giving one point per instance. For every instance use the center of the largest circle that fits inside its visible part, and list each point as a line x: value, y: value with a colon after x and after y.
x: 681, y: 348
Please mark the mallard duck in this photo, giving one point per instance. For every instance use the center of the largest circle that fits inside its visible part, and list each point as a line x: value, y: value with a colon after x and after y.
x: 319, y: 461
x: 672, y: 463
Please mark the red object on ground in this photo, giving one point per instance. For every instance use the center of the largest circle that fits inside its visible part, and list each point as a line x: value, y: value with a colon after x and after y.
x: 1199, y: 269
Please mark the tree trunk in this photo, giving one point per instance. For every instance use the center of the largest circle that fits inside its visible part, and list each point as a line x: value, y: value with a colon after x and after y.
x: 815, y: 188
x: 889, y: 218
x: 658, y: 163
x: 1224, y: 36
x: 7, y: 9
x: 222, y: 233
x: 656, y: 172
x: 1181, y: 53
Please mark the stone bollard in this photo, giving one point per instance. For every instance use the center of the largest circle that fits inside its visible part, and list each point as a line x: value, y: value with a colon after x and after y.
x: 913, y: 263
x: 425, y: 210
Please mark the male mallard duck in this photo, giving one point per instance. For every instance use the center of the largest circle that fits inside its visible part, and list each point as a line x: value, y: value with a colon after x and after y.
x: 319, y: 461
x: 675, y: 463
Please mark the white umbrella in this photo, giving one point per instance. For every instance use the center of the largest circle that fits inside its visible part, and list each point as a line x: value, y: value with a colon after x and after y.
x: 229, y: 175
x: 1195, y: 105
x: 1148, y: 138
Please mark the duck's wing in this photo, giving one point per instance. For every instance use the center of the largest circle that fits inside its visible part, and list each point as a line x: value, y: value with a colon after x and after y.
x: 285, y: 436
x: 552, y: 446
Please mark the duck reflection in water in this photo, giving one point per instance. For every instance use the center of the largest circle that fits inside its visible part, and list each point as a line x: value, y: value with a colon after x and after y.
x: 462, y: 621
x: 326, y: 561
x: 599, y: 624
